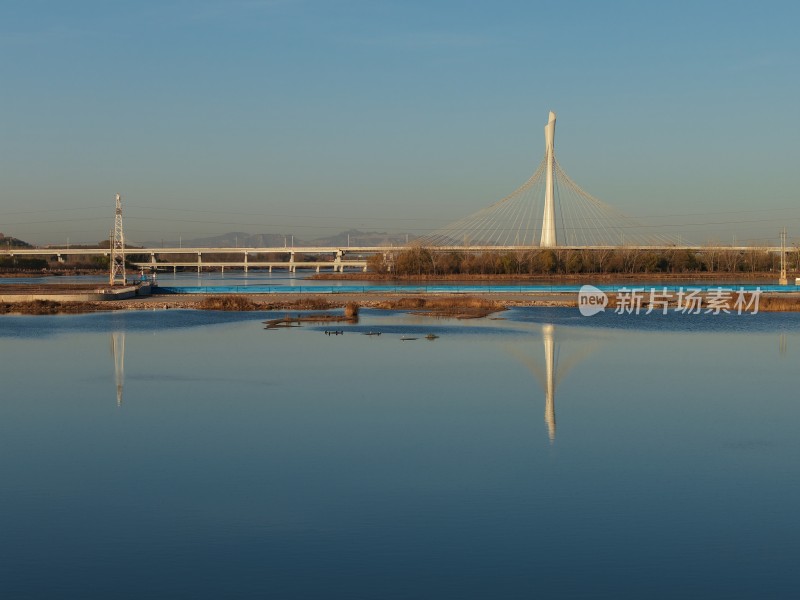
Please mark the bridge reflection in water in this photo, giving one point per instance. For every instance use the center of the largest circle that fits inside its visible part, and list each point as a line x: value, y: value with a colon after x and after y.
x: 559, y: 359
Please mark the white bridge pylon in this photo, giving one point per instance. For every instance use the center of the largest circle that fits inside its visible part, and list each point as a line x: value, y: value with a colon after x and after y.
x: 546, y: 211
x: 549, y: 238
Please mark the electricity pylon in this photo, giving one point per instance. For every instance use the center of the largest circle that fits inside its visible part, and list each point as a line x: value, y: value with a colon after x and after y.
x: 784, y: 280
x: 117, y: 247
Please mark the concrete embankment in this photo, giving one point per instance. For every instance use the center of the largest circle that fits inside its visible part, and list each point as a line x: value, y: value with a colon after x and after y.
x: 12, y: 293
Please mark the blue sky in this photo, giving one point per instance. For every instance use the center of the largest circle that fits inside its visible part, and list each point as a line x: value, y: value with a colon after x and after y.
x: 310, y: 117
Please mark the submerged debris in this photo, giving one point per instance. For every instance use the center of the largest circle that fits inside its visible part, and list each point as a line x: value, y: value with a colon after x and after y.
x: 298, y: 320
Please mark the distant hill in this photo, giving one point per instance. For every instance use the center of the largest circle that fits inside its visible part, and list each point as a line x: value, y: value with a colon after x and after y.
x: 12, y: 242
x: 239, y: 239
x: 356, y: 237
x: 234, y: 239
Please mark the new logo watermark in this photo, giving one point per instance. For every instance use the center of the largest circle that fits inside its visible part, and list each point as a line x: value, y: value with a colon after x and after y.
x: 686, y: 301
x: 591, y: 300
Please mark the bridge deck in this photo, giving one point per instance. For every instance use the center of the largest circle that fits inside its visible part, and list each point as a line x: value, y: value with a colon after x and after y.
x: 343, y: 251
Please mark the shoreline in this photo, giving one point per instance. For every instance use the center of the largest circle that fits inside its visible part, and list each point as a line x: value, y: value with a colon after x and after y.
x: 44, y: 299
x: 769, y: 302
x: 762, y: 277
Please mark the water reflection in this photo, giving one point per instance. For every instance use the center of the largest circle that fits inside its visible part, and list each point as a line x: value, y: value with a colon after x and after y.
x: 283, y: 470
x: 555, y: 368
x: 548, y: 336
x: 118, y: 352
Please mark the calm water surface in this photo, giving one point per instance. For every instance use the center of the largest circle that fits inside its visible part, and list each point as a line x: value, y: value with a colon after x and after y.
x: 190, y: 454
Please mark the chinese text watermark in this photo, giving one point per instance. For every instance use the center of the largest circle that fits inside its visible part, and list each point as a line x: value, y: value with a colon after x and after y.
x: 687, y: 301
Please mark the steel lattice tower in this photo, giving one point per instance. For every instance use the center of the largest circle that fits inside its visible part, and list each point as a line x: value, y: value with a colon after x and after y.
x: 117, y: 246
x: 784, y: 279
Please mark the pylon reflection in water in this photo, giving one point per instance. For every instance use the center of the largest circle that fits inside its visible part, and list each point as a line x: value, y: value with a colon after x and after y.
x: 555, y: 368
x: 118, y: 352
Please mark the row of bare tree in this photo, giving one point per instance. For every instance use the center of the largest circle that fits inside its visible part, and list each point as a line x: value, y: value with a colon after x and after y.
x: 556, y: 261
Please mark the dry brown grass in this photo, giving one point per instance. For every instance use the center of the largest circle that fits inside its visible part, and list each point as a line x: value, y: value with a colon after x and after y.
x: 243, y: 303
x: 689, y: 276
x: 461, y: 307
x: 402, y: 303
x: 45, y: 307
x: 351, y: 310
x: 779, y: 303
x: 775, y: 302
x: 238, y: 303
x: 312, y: 303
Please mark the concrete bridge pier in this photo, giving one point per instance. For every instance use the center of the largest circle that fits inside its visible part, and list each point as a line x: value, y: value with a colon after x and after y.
x: 291, y: 263
x: 153, y: 261
x: 270, y: 269
x: 245, y: 261
x: 199, y: 261
x: 337, y: 262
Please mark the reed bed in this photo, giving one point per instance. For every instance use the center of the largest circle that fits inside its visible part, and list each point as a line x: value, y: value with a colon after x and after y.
x: 46, y: 307
x: 779, y: 303
x: 463, y: 307
x: 351, y: 310
x: 766, y: 303
x: 234, y: 303
x: 243, y: 303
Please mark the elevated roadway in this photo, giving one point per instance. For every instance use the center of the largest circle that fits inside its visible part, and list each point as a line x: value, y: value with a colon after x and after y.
x: 220, y: 258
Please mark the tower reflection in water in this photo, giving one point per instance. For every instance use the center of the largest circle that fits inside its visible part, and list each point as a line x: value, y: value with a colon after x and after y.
x: 549, y: 338
x: 118, y: 352
x: 556, y: 366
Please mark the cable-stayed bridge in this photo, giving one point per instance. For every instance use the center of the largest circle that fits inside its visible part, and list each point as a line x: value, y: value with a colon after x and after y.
x: 548, y: 211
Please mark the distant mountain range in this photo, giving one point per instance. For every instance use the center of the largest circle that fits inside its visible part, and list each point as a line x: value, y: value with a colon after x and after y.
x: 233, y: 239
x: 239, y: 239
x: 356, y: 237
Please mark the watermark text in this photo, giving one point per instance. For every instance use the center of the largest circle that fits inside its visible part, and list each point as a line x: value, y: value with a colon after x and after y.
x: 685, y: 301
